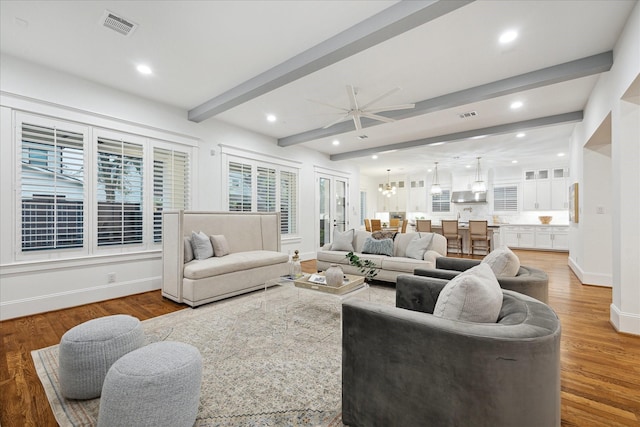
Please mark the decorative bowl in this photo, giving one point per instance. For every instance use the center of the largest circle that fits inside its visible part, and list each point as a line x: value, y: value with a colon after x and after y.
x: 545, y: 219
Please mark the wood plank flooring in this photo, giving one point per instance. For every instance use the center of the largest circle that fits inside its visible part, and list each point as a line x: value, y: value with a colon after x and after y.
x: 600, y: 368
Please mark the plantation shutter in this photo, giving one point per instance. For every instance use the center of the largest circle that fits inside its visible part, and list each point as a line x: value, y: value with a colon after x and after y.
x: 288, y: 202
x: 170, y: 185
x: 441, y: 202
x: 505, y: 198
x: 51, y: 187
x: 239, y: 187
x: 120, y: 192
x: 266, y: 189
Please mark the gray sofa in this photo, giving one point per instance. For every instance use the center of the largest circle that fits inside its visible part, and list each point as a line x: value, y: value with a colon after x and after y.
x: 390, y: 266
x: 529, y: 281
x: 254, y: 258
x: 402, y: 366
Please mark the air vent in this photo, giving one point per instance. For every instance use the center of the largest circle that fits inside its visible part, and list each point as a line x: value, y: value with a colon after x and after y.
x: 118, y: 23
x: 468, y: 114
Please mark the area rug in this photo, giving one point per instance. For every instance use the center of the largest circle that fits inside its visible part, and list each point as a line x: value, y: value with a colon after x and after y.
x: 269, y: 359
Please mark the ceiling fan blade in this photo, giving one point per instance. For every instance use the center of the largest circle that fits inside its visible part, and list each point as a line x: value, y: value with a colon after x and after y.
x: 377, y: 117
x: 384, y: 95
x: 392, y: 108
x: 335, y: 122
x: 351, y: 92
x: 356, y: 121
x: 327, y: 105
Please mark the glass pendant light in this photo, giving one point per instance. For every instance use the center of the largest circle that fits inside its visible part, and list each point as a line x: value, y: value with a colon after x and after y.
x: 435, y: 186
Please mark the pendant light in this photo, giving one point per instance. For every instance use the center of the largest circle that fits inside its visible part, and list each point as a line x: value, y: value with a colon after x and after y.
x: 478, y: 185
x: 387, y: 189
x: 435, y: 186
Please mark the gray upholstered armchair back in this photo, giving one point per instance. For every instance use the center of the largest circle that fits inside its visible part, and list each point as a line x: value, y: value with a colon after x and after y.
x: 402, y: 366
x: 529, y: 281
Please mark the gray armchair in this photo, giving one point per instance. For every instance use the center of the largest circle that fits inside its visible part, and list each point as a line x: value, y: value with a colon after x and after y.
x: 529, y: 281
x: 402, y: 366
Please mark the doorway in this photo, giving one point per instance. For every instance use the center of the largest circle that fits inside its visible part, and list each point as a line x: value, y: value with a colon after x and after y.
x: 332, y: 200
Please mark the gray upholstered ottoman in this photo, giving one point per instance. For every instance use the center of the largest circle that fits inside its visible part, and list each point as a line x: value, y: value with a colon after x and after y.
x: 156, y: 385
x: 88, y: 350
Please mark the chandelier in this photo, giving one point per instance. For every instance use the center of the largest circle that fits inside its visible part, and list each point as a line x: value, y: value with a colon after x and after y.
x: 387, y: 189
x: 478, y: 185
x: 435, y: 186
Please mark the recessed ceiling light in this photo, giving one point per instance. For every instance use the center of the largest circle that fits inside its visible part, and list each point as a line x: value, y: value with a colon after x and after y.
x: 271, y: 118
x: 560, y: 154
x: 144, y: 69
x: 508, y: 36
x: 514, y: 161
x: 336, y: 142
x: 467, y: 166
x: 478, y: 137
x: 375, y: 156
x: 521, y: 135
x: 517, y: 104
x: 438, y: 143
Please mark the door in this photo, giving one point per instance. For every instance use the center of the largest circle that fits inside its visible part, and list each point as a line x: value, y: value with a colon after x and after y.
x: 332, y: 196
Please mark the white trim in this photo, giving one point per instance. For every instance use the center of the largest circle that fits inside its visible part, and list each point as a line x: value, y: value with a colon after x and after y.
x: 628, y: 323
x: 330, y: 171
x: 594, y: 279
x: 258, y: 156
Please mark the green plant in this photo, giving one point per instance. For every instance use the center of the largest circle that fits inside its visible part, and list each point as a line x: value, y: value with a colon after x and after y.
x: 367, y: 267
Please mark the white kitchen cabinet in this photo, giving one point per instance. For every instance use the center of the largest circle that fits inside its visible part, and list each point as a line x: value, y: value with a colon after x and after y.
x: 559, y: 189
x: 518, y: 236
x: 550, y: 237
x: 545, y: 237
x: 536, y: 194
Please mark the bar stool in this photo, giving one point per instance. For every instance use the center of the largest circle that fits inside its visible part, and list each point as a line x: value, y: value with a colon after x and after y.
x: 451, y: 233
x: 479, y: 236
x: 423, y: 225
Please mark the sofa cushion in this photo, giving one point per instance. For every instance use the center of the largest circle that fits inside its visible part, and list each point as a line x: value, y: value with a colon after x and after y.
x: 238, y: 261
x: 379, y: 247
x: 202, y: 248
x: 403, y: 264
x: 342, y: 240
x: 188, y: 250
x: 503, y: 262
x: 418, y: 246
x: 401, y: 242
x: 473, y: 295
x: 220, y: 245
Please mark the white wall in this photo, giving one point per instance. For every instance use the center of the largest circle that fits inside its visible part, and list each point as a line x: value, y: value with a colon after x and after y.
x: 31, y: 287
x: 622, y: 262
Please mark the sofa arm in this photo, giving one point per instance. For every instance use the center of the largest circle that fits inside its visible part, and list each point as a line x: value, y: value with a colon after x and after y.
x: 418, y: 293
x: 459, y: 264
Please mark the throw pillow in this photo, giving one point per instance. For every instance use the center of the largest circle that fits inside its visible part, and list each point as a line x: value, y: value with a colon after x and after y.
x: 418, y: 246
x: 202, y: 248
x: 472, y: 296
x: 503, y: 262
x: 342, y: 240
x: 378, y: 247
x: 220, y: 245
x: 188, y: 250
x: 384, y: 235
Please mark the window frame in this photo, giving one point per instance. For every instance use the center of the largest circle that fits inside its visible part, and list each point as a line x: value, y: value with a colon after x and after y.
x: 440, y: 196
x: 515, y: 204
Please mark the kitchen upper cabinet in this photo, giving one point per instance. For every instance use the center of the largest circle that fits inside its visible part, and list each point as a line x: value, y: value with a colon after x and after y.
x: 536, y: 189
x: 559, y: 189
x: 417, y: 200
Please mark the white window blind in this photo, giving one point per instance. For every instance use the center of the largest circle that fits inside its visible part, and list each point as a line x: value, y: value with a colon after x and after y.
x: 266, y: 189
x: 52, y: 187
x: 441, y: 202
x: 505, y: 198
x: 170, y: 185
x: 120, y: 192
x: 239, y: 187
x: 363, y: 206
x: 288, y: 202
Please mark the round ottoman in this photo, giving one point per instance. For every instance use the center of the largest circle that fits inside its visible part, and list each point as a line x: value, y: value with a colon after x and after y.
x: 156, y: 385
x: 88, y: 350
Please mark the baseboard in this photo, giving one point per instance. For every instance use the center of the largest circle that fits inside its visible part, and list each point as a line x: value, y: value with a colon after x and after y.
x: 627, y: 323
x: 57, y: 301
x: 589, y: 278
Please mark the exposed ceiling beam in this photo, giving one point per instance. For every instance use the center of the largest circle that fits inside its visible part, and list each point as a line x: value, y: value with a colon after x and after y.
x: 397, y: 19
x: 575, y: 116
x: 546, y: 76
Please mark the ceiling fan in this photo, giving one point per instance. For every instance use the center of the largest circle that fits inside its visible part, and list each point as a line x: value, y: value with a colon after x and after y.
x: 357, y: 111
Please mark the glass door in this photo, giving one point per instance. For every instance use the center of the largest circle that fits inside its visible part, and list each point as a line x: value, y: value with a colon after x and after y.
x: 332, y: 206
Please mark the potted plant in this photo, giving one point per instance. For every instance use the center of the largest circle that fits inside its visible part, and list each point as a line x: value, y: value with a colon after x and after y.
x: 366, y: 267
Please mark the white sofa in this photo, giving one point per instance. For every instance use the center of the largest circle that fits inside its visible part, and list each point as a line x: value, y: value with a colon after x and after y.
x: 390, y: 266
x: 254, y: 258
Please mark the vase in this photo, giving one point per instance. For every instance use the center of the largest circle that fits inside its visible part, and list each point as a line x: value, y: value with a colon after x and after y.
x: 334, y: 275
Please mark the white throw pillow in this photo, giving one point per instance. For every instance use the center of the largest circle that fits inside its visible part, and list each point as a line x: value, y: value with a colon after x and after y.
x: 342, y: 240
x: 472, y: 296
x: 202, y: 248
x: 503, y: 262
x: 418, y: 246
x: 188, y: 250
x: 220, y: 245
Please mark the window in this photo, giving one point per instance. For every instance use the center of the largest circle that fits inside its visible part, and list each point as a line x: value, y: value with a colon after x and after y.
x: 120, y: 192
x: 52, y: 187
x: 261, y: 187
x: 441, y: 202
x: 170, y: 184
x: 505, y: 198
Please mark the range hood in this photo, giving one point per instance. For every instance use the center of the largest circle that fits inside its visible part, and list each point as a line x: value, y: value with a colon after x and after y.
x: 468, y: 197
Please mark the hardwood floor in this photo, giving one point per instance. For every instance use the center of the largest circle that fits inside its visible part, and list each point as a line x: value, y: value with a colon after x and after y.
x: 600, y: 368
